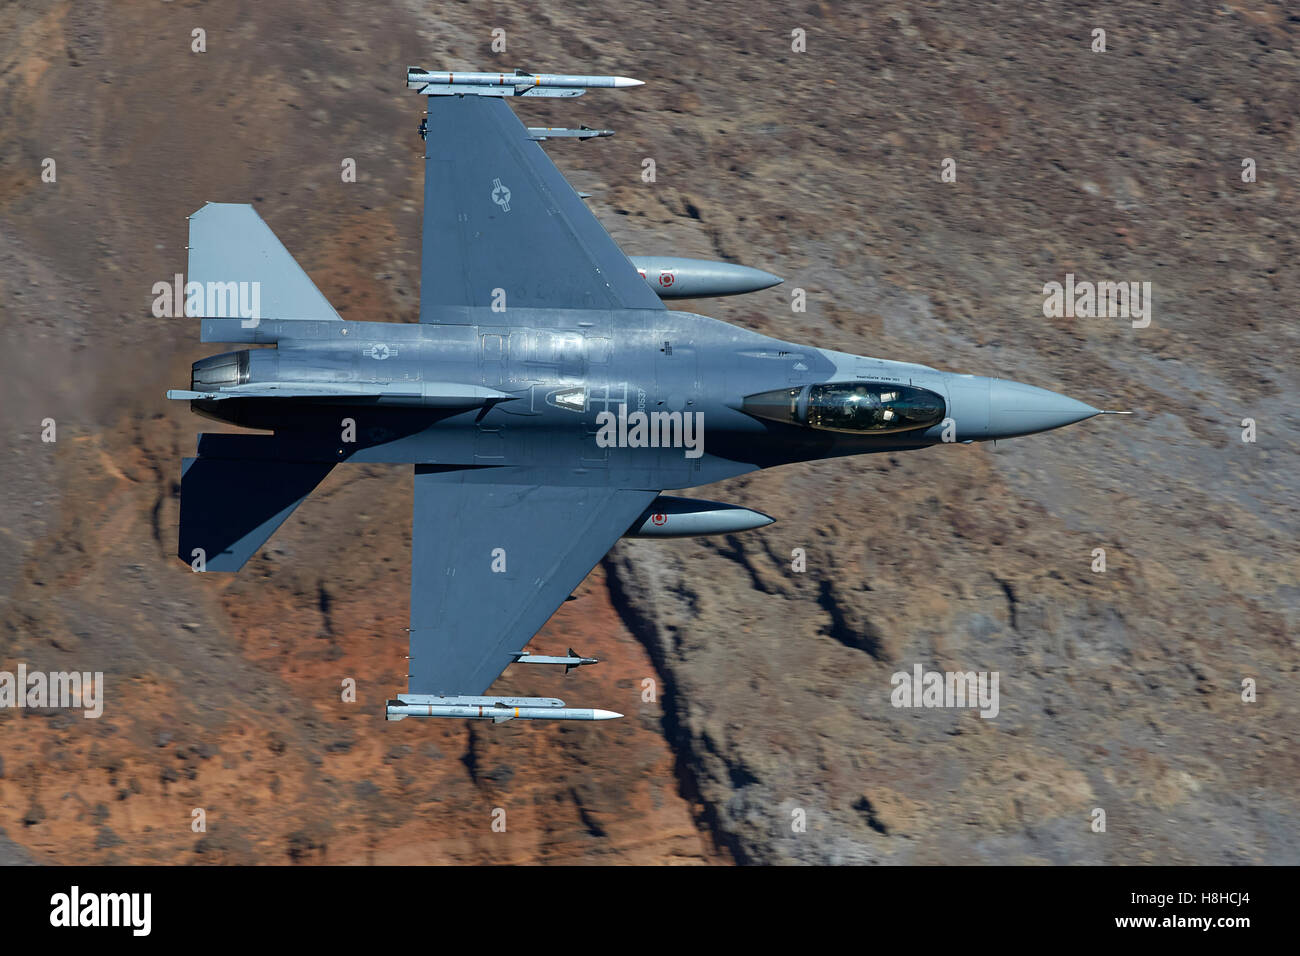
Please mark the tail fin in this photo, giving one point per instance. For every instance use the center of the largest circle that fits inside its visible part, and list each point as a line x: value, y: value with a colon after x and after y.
x: 230, y: 507
x: 230, y: 243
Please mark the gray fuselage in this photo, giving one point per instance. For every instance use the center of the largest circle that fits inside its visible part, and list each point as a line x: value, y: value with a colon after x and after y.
x: 562, y: 369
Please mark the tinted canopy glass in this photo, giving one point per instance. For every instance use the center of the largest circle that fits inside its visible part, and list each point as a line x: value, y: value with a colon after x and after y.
x: 780, y: 406
x: 874, y: 408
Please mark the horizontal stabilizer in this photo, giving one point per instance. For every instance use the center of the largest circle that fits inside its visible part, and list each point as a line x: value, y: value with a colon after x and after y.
x: 230, y: 507
x: 239, y: 263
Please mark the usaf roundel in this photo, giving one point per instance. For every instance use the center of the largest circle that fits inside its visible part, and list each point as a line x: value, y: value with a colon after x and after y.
x: 501, y: 195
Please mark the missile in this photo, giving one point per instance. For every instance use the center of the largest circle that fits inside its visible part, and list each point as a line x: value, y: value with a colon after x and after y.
x: 421, y: 394
x: 496, y: 709
x: 555, y: 132
x: 673, y: 277
x: 518, y: 83
x: 499, y: 715
x: 573, y: 660
x: 672, y: 517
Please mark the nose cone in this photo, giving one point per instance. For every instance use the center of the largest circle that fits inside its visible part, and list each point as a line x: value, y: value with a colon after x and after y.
x: 761, y: 279
x: 1016, y: 409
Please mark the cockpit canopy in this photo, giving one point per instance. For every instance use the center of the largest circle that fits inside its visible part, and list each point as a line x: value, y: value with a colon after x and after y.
x: 858, y: 408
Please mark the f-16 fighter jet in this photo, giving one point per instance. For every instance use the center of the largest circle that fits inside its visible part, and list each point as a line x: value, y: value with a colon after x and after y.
x: 544, y: 401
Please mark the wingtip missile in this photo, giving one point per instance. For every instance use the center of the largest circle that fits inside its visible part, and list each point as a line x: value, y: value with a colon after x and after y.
x: 496, y: 709
x: 518, y: 83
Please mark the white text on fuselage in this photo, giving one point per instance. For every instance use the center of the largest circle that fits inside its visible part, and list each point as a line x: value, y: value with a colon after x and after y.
x: 640, y: 429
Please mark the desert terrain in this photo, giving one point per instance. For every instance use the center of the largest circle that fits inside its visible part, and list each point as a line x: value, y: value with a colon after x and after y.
x: 770, y: 737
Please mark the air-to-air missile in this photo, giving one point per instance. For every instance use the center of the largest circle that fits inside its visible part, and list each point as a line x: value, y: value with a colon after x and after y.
x: 672, y: 517
x: 673, y: 277
x: 574, y: 659
x: 558, y: 132
x: 224, y: 385
x: 518, y: 83
x: 496, y: 709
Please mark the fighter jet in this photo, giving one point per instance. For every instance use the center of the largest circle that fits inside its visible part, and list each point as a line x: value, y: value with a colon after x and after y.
x: 543, y: 402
